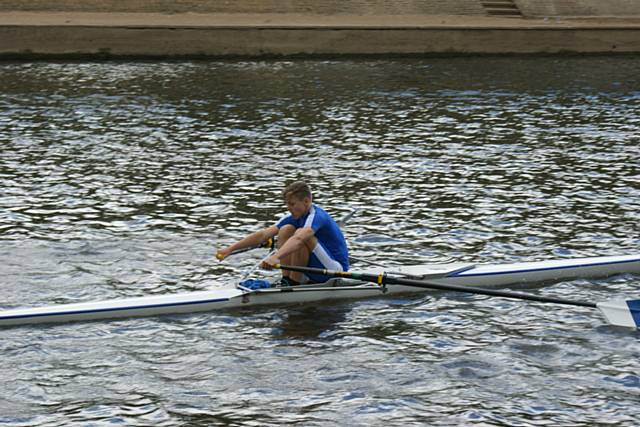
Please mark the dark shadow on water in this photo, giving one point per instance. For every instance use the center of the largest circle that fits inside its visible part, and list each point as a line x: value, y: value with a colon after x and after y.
x: 312, y: 321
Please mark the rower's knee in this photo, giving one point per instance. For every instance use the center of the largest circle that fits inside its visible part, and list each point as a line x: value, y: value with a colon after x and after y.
x: 285, y: 234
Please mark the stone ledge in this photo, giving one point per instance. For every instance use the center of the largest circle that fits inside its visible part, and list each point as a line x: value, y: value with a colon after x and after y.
x: 303, y: 21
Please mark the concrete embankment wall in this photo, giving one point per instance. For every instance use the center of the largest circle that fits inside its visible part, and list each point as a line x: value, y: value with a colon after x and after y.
x: 253, y: 28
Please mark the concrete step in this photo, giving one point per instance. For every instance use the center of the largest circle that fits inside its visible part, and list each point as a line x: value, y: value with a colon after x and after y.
x: 499, y: 4
x: 501, y: 8
x: 503, y: 11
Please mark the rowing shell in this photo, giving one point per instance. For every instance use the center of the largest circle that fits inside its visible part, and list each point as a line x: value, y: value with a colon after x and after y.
x: 234, y: 297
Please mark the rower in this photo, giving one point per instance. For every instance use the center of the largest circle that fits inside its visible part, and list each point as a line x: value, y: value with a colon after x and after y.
x: 307, y: 236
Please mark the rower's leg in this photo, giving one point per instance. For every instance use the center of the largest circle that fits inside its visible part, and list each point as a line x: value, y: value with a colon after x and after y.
x: 285, y: 234
x: 300, y: 257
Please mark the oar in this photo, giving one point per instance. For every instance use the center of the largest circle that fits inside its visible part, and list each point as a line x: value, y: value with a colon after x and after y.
x: 342, y: 221
x: 617, y: 312
x: 269, y: 243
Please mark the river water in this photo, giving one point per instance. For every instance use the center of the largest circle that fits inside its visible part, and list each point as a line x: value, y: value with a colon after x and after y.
x: 119, y: 179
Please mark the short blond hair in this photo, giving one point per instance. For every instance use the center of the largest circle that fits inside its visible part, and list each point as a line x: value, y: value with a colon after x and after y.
x: 298, y: 189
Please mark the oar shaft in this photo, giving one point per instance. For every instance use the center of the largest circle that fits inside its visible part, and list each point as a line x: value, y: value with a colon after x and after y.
x: 382, y: 279
x: 346, y: 217
x: 489, y: 292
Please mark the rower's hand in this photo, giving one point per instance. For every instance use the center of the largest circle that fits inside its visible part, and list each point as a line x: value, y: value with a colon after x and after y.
x: 270, y: 263
x: 222, y: 253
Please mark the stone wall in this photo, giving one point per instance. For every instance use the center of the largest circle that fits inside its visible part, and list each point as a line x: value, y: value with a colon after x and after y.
x: 602, y: 8
x: 313, y: 7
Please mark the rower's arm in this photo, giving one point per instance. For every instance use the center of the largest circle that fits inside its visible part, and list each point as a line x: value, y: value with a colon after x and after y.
x: 253, y: 239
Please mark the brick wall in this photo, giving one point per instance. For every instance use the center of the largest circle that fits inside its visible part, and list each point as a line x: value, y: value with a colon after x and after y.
x: 324, y: 7
x: 539, y: 8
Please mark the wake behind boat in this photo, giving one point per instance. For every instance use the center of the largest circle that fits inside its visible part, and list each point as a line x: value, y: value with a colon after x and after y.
x: 458, y: 274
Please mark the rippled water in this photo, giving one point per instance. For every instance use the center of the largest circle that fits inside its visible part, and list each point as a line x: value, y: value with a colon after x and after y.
x: 120, y: 179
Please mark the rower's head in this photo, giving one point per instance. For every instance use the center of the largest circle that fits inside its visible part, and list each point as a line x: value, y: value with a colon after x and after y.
x: 298, y: 198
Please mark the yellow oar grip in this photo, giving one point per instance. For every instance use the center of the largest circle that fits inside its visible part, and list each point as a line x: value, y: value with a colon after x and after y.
x: 219, y: 256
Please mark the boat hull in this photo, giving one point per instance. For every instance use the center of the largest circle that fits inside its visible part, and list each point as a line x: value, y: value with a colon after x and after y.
x: 231, y: 297
x: 545, y: 271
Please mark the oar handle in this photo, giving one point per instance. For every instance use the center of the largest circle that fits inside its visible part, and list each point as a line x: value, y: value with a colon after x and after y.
x: 269, y: 243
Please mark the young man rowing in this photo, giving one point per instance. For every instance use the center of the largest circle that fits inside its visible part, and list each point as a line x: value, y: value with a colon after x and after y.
x: 307, y: 236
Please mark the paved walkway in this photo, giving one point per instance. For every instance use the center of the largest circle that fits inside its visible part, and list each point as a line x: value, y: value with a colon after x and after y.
x: 301, y: 21
x: 29, y: 34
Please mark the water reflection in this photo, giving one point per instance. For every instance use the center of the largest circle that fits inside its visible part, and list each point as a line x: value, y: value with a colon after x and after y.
x: 312, y: 322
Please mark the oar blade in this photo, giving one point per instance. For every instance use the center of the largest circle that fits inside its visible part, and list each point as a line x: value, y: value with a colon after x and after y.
x: 621, y: 313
